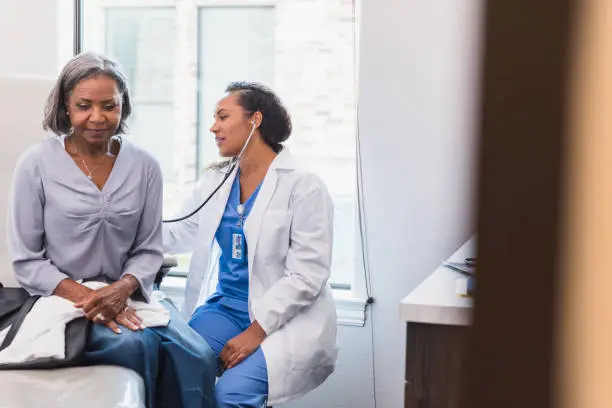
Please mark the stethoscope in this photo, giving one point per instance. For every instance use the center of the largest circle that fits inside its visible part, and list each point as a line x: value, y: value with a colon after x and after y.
x: 230, y: 168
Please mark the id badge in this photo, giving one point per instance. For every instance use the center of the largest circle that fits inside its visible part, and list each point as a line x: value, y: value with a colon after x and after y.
x: 237, y: 245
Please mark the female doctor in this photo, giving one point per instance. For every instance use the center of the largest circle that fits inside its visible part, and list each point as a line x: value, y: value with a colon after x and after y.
x: 266, y: 240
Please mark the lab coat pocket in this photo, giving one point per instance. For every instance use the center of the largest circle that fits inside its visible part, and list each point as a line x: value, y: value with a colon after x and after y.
x: 312, y: 335
x: 275, y: 234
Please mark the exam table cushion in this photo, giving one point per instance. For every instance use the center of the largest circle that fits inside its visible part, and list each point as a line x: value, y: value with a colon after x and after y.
x: 98, y: 386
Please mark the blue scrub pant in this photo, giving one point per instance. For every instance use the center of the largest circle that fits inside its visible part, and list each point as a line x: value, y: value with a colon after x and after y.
x: 246, y: 385
x: 177, y: 366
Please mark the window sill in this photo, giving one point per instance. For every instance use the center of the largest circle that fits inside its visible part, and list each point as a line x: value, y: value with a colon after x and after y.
x: 350, y: 308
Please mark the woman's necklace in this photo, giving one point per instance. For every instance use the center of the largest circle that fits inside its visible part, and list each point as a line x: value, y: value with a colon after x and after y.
x: 90, y: 172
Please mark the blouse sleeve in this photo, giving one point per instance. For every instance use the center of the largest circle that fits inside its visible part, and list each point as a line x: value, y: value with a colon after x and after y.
x: 146, y: 255
x: 26, y: 233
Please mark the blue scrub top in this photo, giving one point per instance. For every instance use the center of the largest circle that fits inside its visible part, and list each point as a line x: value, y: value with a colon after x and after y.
x: 233, y: 287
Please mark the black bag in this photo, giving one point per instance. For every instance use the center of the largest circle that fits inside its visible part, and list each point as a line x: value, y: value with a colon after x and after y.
x: 15, y: 304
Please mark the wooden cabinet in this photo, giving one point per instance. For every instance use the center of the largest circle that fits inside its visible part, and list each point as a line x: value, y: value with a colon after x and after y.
x: 435, y: 364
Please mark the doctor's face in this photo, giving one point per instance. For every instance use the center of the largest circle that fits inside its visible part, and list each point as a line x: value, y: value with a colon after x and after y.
x: 231, y: 126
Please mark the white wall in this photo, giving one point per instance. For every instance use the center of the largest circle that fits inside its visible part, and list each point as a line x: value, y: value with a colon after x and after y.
x: 418, y: 75
x: 36, y: 36
x: 28, y: 33
x: 417, y: 90
x: 417, y: 87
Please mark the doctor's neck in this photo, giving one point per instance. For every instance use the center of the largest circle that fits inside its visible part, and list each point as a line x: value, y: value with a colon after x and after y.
x: 257, y: 157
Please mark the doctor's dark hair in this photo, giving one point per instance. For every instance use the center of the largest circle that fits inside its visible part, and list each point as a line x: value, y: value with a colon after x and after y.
x: 83, y: 66
x: 254, y: 97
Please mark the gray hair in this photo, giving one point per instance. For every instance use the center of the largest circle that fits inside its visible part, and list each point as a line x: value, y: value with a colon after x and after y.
x: 83, y: 66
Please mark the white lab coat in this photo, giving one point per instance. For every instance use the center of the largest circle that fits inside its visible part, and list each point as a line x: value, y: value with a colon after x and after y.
x: 289, y: 241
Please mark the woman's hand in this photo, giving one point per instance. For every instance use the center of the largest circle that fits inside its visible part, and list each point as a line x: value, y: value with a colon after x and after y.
x: 71, y: 290
x: 105, y: 304
x: 242, y: 346
x: 129, y: 319
x: 111, y: 324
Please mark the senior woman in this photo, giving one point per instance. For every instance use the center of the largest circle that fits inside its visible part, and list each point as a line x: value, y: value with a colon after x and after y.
x: 86, y: 205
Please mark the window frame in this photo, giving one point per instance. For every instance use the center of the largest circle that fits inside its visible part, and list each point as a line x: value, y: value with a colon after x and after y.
x: 350, y: 302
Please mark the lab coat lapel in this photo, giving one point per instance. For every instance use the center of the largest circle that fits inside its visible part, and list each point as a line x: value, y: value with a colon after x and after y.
x: 253, y: 222
x: 284, y: 161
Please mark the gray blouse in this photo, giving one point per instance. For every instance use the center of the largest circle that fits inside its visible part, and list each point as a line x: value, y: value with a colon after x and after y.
x: 62, y: 226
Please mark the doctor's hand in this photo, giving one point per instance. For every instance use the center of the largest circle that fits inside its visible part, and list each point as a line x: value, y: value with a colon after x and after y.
x: 242, y: 346
x: 105, y: 304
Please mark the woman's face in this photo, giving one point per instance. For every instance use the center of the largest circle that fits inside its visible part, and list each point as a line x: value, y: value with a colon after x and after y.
x: 94, y: 109
x: 231, y: 126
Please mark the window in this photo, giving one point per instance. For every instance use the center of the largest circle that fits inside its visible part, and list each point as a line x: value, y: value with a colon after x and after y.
x: 179, y: 56
x: 243, y: 50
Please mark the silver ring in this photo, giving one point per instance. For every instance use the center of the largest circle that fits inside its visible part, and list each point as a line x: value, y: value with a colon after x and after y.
x: 100, y: 317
